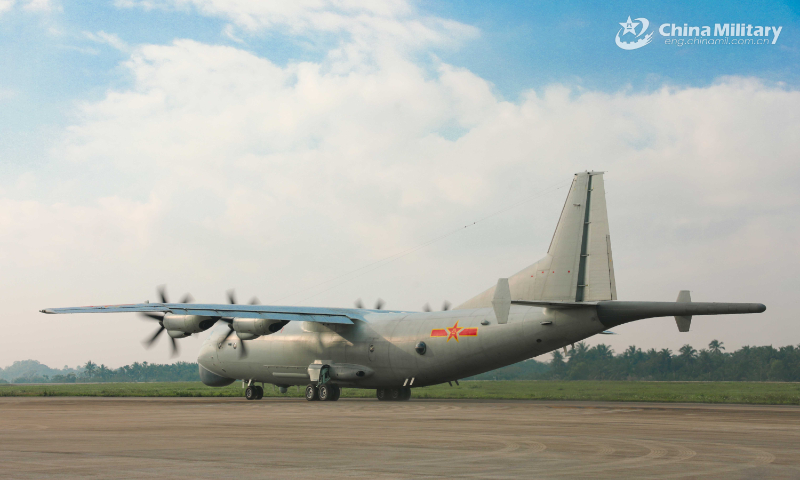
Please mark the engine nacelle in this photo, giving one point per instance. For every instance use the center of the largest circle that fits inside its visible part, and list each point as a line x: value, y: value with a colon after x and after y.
x: 187, y: 323
x: 247, y: 336
x: 177, y: 334
x: 249, y: 328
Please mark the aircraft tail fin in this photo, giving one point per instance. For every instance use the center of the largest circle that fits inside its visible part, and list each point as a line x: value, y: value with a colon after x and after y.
x: 578, y: 266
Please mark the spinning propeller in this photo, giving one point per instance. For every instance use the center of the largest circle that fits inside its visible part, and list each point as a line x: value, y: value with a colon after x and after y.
x: 445, y: 307
x: 159, y: 317
x: 379, y: 304
x: 229, y: 321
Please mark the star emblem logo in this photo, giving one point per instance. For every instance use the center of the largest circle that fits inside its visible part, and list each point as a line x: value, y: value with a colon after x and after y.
x: 455, y: 332
x: 452, y: 332
x: 629, y: 26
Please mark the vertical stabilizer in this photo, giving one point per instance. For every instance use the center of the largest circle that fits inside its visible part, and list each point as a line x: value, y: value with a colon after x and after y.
x: 578, y: 265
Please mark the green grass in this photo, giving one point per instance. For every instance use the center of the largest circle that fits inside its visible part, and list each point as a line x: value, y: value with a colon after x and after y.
x: 692, y: 392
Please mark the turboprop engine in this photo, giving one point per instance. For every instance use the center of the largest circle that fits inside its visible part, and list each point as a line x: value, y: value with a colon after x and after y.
x: 187, y: 324
x: 250, y: 328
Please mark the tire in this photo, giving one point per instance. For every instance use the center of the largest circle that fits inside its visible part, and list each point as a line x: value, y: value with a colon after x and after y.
x: 325, y: 393
x: 395, y: 394
x: 406, y: 394
x: 338, y: 393
x: 311, y: 393
x: 260, y: 391
x: 381, y: 394
x: 251, y: 393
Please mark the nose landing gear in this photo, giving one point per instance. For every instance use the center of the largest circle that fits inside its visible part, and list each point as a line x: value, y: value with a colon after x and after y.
x: 254, y: 392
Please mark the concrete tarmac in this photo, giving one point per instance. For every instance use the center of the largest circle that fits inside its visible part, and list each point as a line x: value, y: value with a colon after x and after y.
x: 68, y: 437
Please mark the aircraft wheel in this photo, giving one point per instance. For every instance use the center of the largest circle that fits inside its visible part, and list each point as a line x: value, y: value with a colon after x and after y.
x: 381, y: 394
x: 311, y: 393
x: 395, y: 394
x: 251, y: 393
x: 260, y: 391
x: 337, y: 393
x: 406, y: 393
x: 326, y: 393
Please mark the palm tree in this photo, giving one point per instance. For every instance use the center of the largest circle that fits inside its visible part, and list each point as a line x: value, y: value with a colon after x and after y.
x: 629, y: 352
x: 716, y: 347
x: 705, y: 361
x: 103, y: 372
x: 580, y: 349
x: 89, y: 369
x: 687, y: 352
x: 604, y: 351
x: 558, y: 357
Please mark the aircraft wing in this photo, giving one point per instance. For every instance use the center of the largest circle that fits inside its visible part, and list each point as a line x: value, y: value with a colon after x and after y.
x: 304, y: 314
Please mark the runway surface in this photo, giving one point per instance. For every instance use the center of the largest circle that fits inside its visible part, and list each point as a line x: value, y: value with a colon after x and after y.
x: 67, y: 437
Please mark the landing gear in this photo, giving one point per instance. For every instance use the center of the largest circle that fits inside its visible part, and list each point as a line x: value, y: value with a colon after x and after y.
x: 325, y: 392
x: 254, y: 393
x: 329, y: 393
x: 406, y: 393
x: 393, y: 394
x: 251, y: 393
x: 311, y: 393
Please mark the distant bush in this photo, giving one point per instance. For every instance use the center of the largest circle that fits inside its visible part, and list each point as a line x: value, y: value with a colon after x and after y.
x: 32, y: 379
x: 752, y: 364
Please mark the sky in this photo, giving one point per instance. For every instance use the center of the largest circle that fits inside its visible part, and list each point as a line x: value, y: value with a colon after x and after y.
x: 317, y: 152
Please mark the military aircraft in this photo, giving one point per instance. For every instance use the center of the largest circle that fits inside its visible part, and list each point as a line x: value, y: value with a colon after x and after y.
x: 565, y: 297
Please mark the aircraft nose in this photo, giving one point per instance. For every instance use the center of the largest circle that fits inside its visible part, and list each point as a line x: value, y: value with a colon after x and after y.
x: 207, y: 356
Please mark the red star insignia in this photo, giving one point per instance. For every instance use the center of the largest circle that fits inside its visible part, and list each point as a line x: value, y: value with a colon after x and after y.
x: 452, y: 332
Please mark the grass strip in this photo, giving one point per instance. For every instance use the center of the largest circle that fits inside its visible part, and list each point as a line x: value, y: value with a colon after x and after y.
x: 622, y: 391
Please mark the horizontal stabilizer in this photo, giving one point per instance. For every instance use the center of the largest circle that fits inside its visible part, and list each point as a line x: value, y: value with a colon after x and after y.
x: 616, y: 313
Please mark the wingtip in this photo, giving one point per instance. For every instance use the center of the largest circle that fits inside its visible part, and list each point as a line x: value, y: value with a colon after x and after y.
x: 761, y: 308
x: 46, y: 310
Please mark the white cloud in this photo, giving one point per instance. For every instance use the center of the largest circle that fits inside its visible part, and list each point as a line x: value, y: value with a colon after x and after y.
x: 219, y: 168
x: 107, y: 38
x: 366, y: 22
x: 6, y: 5
x: 39, y: 5
x: 230, y: 31
x: 41, y: 235
x: 7, y: 93
x: 30, y: 5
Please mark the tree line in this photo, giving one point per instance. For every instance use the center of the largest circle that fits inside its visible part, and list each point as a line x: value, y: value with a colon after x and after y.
x: 581, y: 362
x: 91, y: 372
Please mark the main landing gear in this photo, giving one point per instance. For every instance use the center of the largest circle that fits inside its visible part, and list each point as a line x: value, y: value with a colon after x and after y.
x: 325, y: 392
x: 393, y: 394
x: 254, y: 392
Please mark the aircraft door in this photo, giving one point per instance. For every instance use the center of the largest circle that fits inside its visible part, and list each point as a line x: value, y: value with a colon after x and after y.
x: 377, y: 351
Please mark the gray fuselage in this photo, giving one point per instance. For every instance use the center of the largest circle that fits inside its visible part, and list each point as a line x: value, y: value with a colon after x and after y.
x: 384, y: 345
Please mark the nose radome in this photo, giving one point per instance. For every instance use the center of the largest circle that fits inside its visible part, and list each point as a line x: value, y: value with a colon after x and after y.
x: 207, y: 356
